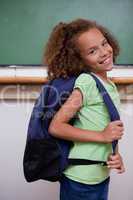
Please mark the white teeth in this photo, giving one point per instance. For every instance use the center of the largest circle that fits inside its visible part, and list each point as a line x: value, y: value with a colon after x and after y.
x: 106, y: 61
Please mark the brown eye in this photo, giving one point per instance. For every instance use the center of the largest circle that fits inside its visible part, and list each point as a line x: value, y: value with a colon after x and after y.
x: 93, y: 51
x: 105, y: 43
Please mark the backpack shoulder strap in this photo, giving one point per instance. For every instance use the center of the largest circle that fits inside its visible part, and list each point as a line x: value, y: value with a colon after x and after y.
x: 113, y: 112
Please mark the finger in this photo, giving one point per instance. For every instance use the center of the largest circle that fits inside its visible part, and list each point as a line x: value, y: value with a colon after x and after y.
x: 114, y: 165
x: 114, y: 157
x: 118, y: 136
x: 119, y: 128
x: 115, y: 162
x: 121, y: 170
x: 118, y: 122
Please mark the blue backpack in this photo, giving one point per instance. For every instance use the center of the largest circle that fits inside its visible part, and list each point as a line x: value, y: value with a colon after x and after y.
x: 46, y: 157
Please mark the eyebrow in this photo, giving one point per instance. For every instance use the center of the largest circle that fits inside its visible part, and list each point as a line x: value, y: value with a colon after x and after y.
x: 93, y: 47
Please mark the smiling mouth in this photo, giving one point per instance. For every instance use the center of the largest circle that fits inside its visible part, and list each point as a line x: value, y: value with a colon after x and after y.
x: 106, y: 61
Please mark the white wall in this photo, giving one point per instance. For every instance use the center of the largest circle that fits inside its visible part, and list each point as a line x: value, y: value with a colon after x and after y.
x: 14, y: 118
x: 121, y: 185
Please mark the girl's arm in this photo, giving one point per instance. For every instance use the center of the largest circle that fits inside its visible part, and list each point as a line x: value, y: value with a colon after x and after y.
x: 59, y: 126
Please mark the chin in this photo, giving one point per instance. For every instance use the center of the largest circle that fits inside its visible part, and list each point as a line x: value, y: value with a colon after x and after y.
x: 110, y: 67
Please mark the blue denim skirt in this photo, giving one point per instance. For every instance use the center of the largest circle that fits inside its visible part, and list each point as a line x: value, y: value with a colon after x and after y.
x: 72, y: 190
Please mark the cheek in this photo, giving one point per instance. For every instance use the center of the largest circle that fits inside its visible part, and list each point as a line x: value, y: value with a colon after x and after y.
x: 110, y: 49
x: 92, y: 61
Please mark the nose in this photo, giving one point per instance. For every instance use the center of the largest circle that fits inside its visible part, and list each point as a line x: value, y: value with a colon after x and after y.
x: 103, y: 52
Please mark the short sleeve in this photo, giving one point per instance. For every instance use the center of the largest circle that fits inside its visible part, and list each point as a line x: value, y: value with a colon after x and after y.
x: 85, y: 84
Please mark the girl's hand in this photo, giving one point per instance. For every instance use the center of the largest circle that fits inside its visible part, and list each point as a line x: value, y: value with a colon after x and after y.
x: 113, y: 131
x: 116, y: 162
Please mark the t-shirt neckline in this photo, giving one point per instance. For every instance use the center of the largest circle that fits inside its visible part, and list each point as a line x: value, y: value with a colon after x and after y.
x: 103, y: 82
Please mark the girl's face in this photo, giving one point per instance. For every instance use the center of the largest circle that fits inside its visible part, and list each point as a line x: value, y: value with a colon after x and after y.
x: 96, y: 51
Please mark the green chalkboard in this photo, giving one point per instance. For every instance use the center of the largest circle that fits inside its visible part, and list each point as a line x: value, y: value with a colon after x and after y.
x: 25, y: 25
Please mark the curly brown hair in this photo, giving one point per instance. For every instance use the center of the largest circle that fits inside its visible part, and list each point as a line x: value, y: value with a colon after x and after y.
x: 62, y: 55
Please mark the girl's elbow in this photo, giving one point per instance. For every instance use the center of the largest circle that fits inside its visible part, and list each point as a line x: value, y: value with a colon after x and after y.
x: 52, y: 129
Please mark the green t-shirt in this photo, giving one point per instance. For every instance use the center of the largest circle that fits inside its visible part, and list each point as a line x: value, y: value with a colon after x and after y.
x: 92, y: 116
